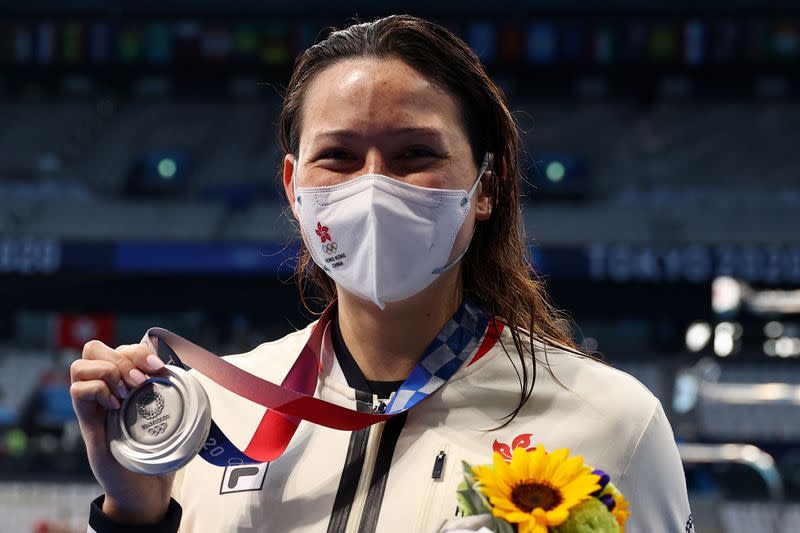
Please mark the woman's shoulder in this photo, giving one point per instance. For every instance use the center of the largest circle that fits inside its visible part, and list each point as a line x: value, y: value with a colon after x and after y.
x: 567, y: 378
x: 597, y: 383
x: 596, y: 376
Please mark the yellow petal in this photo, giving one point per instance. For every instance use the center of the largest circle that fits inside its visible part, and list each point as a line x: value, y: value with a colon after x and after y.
x: 532, y: 527
x: 502, y: 469
x: 503, y: 502
x: 491, y: 482
x: 554, y: 460
x: 494, y: 485
x: 518, y: 517
x: 581, y: 485
x: 537, y: 460
x: 503, y: 505
x: 557, y: 516
x: 567, y: 470
x: 540, y: 515
x: 519, y: 463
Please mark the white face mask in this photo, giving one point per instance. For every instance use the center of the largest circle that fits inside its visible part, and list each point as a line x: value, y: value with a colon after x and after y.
x: 382, y: 239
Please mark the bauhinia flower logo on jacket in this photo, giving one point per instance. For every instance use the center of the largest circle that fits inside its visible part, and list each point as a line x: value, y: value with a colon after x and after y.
x: 520, y: 441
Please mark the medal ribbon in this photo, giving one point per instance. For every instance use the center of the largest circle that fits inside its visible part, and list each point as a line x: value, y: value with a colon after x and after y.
x: 293, y: 400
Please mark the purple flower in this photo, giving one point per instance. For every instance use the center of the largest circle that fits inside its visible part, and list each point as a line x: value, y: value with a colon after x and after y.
x: 604, y: 479
x: 608, y: 501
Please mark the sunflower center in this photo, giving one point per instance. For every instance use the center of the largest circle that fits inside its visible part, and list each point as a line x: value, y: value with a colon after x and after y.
x: 529, y: 496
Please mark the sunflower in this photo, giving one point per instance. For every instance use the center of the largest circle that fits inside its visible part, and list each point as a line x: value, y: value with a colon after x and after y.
x: 536, y: 489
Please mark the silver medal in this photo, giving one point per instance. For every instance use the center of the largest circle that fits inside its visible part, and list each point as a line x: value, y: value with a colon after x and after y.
x: 161, y: 425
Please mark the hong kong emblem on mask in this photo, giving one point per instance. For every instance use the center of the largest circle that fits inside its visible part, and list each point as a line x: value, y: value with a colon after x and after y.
x: 335, y: 257
x: 329, y: 246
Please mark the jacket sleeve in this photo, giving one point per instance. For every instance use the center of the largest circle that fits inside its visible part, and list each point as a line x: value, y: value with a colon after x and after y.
x: 654, y: 482
x: 99, y: 522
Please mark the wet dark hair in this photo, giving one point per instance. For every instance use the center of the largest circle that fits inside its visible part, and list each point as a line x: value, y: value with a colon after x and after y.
x: 497, y: 269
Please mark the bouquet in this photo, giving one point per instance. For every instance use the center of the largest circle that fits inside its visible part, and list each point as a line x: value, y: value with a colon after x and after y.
x: 540, y: 492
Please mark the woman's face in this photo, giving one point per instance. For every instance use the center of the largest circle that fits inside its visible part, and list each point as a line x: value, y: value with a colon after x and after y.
x: 381, y: 116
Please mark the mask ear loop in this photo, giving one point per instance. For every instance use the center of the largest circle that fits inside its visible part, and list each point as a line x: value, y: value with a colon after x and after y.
x: 484, y: 167
x: 297, y: 199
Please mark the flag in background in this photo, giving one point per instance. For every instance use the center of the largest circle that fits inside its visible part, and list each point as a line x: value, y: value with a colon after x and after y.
x: 100, y: 42
x: 245, y: 42
x: 159, y: 47
x: 662, y: 43
x: 694, y: 42
x: 634, y: 42
x: 45, y: 42
x: 274, y: 46
x: 603, y: 49
x: 481, y: 38
x: 511, y: 43
x: 188, y: 41
x: 72, y: 41
x: 130, y: 44
x: 726, y: 42
x: 573, y: 42
x: 73, y: 330
x: 217, y: 43
x: 23, y: 44
x: 542, y: 42
x: 786, y: 40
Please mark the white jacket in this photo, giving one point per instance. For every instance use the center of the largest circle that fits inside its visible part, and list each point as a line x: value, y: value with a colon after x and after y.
x: 603, y: 414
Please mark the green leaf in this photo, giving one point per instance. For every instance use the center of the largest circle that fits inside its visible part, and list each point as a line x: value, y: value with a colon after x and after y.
x: 501, y: 526
x: 469, y: 475
x: 465, y: 504
x: 471, y: 500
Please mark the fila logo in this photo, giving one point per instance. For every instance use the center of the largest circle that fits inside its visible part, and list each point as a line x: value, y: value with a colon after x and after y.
x: 243, y: 478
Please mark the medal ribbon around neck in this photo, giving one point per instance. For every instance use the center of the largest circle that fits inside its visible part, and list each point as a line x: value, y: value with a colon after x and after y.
x: 293, y: 400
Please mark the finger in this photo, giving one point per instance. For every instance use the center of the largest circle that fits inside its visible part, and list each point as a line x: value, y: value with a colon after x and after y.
x: 133, y: 361
x: 87, y: 394
x: 87, y: 370
x: 143, y: 356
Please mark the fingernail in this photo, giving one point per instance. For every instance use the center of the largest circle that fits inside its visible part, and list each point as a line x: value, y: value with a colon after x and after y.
x: 122, y: 389
x: 114, y: 402
x: 154, y: 362
x: 137, y: 376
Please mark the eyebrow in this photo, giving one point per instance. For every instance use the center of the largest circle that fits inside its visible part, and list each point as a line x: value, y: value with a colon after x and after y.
x: 392, y: 132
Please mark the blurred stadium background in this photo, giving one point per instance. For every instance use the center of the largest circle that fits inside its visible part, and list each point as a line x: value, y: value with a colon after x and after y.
x: 138, y: 187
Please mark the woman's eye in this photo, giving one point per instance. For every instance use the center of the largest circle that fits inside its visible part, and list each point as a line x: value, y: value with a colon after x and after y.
x: 335, y: 153
x: 419, y: 151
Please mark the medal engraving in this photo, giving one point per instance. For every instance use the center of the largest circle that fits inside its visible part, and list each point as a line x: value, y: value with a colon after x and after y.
x: 162, y: 424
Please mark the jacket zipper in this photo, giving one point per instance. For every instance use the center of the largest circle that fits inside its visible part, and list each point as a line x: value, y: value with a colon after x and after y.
x: 353, y: 467
x: 360, y: 498
x: 442, y: 464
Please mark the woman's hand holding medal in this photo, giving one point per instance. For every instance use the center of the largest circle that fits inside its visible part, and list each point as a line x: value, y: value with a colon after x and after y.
x: 101, y: 380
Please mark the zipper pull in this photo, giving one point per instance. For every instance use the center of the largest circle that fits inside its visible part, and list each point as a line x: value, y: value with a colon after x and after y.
x: 380, y: 408
x: 438, y: 465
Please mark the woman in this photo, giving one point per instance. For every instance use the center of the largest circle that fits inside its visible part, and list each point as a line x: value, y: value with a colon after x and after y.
x: 402, y: 169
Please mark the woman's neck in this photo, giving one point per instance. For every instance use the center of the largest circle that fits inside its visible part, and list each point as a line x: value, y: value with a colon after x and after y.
x: 387, y: 344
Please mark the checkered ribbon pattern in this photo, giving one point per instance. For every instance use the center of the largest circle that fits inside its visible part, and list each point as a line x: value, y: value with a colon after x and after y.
x: 454, y: 343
